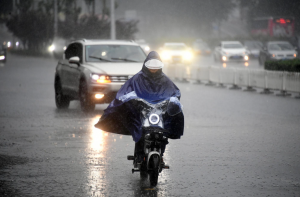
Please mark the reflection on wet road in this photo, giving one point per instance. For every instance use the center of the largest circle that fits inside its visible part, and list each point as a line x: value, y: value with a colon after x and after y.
x: 236, y: 143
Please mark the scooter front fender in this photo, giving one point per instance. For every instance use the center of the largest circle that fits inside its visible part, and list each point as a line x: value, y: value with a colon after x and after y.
x: 151, y: 154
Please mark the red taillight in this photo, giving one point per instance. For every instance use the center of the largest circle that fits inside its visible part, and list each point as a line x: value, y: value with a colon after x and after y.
x: 282, y: 21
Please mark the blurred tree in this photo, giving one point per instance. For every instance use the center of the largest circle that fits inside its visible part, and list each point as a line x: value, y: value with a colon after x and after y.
x: 6, y: 7
x: 91, y: 27
x: 33, y: 23
x: 126, y: 29
x: 33, y: 27
x: 98, y: 26
x: 67, y: 29
x: 91, y: 6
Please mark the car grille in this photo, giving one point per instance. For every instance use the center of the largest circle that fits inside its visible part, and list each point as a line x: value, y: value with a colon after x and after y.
x: 119, y: 78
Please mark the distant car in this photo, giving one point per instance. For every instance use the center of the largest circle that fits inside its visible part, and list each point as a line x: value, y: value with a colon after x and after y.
x: 230, y: 51
x: 277, y: 50
x: 3, y: 56
x: 253, y: 47
x: 145, y: 46
x: 58, y: 47
x: 201, y: 48
x: 174, y: 53
x: 92, y: 71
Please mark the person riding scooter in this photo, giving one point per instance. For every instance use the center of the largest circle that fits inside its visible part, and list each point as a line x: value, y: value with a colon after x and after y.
x: 122, y: 116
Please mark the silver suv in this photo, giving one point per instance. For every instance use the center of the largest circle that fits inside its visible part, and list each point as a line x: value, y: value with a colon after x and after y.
x: 92, y: 71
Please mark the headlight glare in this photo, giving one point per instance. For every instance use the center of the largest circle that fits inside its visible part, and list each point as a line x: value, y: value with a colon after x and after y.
x: 51, y: 48
x: 100, y: 78
x: 165, y: 55
x: 154, y: 119
x: 187, y: 55
x: 95, y: 77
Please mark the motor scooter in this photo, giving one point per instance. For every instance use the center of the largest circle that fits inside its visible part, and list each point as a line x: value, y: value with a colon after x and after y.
x: 154, y: 136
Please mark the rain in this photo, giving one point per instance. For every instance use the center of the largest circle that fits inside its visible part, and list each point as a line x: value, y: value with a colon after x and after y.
x: 236, y: 64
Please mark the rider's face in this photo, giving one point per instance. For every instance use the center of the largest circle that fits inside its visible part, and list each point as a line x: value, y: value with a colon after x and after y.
x: 153, y: 70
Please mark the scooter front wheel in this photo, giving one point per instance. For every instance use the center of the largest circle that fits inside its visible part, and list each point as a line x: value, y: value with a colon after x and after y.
x: 155, y: 170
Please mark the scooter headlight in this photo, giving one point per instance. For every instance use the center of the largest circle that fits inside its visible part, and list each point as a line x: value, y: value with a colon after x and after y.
x: 154, y: 119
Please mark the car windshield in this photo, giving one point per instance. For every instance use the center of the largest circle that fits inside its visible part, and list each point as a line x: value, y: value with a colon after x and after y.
x: 175, y: 47
x: 253, y: 45
x: 280, y: 47
x: 232, y: 46
x: 114, y: 53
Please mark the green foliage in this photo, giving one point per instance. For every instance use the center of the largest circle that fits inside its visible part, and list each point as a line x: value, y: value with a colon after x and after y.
x: 283, y: 65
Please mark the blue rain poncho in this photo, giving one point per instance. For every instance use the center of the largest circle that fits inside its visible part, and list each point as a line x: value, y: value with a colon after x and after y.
x: 122, y: 116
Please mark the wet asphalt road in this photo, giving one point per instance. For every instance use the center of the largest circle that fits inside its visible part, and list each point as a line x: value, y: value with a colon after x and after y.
x: 236, y: 143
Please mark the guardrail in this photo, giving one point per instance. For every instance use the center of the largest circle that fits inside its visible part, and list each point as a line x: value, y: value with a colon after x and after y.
x: 268, y: 81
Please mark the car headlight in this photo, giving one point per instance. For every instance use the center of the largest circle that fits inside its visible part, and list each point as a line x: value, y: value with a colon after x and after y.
x: 153, y: 118
x: 295, y: 54
x: 2, y: 57
x: 51, y: 48
x: 165, y: 55
x: 187, y: 55
x: 147, y: 48
x: 100, y: 78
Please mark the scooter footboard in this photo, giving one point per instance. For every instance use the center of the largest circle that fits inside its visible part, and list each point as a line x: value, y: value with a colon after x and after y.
x: 151, y: 156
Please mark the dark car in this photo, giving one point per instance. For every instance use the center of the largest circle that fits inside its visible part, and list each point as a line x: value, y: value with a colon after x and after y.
x: 253, y: 47
x: 277, y: 50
